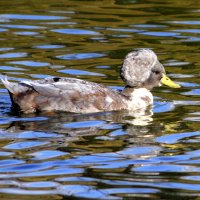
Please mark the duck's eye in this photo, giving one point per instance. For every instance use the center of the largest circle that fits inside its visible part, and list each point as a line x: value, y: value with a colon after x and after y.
x: 56, y: 79
x: 156, y: 71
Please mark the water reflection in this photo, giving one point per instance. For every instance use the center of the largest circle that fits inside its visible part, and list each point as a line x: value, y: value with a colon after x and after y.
x: 12, y: 55
x: 30, y: 63
x: 80, y: 56
x: 30, y: 17
x: 16, y: 26
x: 76, y: 31
x: 113, y: 155
x: 75, y: 123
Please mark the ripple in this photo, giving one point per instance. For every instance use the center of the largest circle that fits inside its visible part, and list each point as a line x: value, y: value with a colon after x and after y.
x: 160, y: 34
x: 129, y: 190
x: 60, y: 23
x: 80, y: 56
x: 37, y: 135
x: 49, y: 46
x: 102, y: 67
x: 168, y: 159
x: 52, y: 172
x: 83, y: 191
x: 79, y: 72
x: 140, y: 150
x: 63, y: 11
x: 98, y: 158
x: 3, y: 30
x: 4, y: 20
x: 182, y: 75
x: 174, y: 138
x: 84, y: 124
x: 149, y: 26
x: 192, y: 119
x: 76, y: 179
x: 24, y: 145
x: 9, y: 68
x: 26, y: 33
x: 75, y: 31
x: 13, y: 119
x: 176, y: 63
x: 176, y: 185
x: 192, y: 178
x: 187, y: 103
x: 39, y: 184
x: 29, y: 135
x: 13, y: 55
x: 192, y: 92
x: 159, y: 184
x: 191, y: 39
x: 16, y: 26
x: 166, y: 168
x: 160, y: 107
x: 47, y: 154
x: 5, y: 153
x: 186, y: 84
x: 108, y: 155
x: 24, y: 168
x: 188, y: 30
x: 120, y: 164
x: 30, y: 63
x: 185, y: 22
x: 124, y: 30
x: 6, y: 48
x: 181, y: 186
x: 8, y: 162
x: 73, y: 189
x: 117, y: 133
x: 31, y: 17
x: 40, y: 76
x: 26, y: 192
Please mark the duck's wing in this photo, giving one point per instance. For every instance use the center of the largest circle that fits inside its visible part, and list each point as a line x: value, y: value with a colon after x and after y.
x: 55, y: 87
x: 74, y: 95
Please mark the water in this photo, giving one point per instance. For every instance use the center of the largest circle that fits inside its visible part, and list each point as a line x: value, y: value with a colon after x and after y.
x: 111, y: 155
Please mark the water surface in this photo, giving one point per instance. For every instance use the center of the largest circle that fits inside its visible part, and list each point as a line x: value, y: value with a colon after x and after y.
x: 111, y: 155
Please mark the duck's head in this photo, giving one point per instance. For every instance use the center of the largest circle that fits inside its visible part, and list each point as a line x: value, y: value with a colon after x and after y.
x: 142, y: 68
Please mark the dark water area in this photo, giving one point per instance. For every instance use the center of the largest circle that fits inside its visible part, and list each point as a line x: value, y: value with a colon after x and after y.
x: 108, y: 155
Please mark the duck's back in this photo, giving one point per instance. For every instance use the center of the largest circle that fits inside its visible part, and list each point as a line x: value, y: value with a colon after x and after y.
x: 63, y: 94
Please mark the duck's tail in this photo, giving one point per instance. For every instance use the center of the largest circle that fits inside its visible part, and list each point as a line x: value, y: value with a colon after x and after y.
x: 13, y: 88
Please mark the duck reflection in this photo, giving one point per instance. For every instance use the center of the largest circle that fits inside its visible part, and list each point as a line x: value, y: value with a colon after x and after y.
x: 102, y: 126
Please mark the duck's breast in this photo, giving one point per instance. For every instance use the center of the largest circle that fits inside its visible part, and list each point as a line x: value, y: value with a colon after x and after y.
x: 140, y: 98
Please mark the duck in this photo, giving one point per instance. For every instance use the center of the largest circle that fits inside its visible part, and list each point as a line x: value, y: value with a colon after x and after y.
x: 141, y: 71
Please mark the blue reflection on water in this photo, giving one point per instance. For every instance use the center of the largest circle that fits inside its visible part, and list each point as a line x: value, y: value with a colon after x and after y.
x: 160, y: 34
x: 30, y: 63
x: 80, y: 56
x: 79, y: 72
x: 76, y: 31
x: 28, y: 33
x: 18, y: 26
x: 31, y: 17
x: 100, y: 155
x: 173, y: 138
x: 84, y: 124
x: 13, y: 55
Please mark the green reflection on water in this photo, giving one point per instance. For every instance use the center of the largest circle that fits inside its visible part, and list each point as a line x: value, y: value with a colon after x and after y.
x: 110, y: 28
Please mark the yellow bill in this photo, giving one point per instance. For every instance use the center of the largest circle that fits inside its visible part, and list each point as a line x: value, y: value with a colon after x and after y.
x: 167, y: 81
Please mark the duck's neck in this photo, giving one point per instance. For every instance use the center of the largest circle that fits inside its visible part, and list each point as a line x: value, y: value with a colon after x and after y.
x: 137, y: 97
x: 127, y: 91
